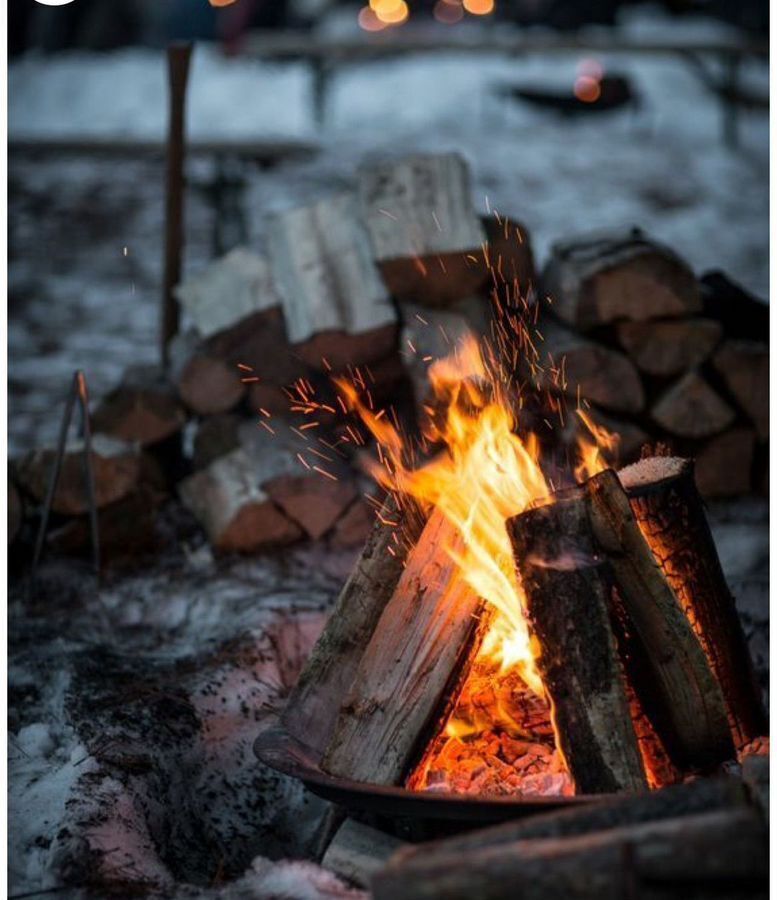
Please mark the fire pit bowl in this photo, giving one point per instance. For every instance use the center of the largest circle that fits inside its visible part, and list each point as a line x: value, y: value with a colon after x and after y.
x: 277, y: 749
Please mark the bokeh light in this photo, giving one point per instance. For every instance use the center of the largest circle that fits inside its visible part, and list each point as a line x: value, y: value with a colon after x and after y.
x: 222, y: 2
x: 368, y: 21
x: 390, y: 12
x: 590, y: 68
x: 587, y: 89
x: 449, y: 12
x: 479, y: 7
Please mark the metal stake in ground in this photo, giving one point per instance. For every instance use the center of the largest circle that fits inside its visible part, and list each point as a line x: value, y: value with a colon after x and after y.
x: 78, y: 391
x: 178, y: 58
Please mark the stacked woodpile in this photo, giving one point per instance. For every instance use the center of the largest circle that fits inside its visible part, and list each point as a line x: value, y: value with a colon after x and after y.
x: 661, y: 357
x: 371, y: 286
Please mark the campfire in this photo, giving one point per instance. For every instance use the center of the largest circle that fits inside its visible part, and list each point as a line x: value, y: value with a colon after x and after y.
x: 522, y: 626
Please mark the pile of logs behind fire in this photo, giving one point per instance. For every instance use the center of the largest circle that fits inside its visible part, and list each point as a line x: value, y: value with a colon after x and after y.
x: 372, y: 285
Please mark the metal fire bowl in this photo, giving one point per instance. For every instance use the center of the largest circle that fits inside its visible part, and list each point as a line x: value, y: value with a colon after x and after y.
x: 277, y: 749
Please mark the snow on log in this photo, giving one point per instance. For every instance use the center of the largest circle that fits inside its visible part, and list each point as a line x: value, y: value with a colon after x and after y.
x: 333, y: 299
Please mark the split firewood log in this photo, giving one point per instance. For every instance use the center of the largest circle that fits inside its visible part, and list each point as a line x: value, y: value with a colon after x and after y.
x: 315, y: 503
x: 578, y: 367
x: 669, y: 347
x: 603, y: 278
x: 143, y: 409
x: 691, y: 408
x: 676, y: 687
x: 354, y: 525
x: 426, y: 635
x: 744, y: 368
x: 228, y: 291
x: 670, y: 513
x: 568, y: 589
x: 358, y: 851
x: 724, y: 464
x: 425, y: 234
x: 230, y: 497
x: 116, y: 466
x: 670, y: 858
x: 216, y: 436
x: 209, y: 386
x: 742, y: 315
x: 313, y: 707
x: 337, y: 310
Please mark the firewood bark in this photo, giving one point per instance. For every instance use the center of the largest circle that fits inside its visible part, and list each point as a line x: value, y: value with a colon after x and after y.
x: 358, y: 851
x: 724, y: 464
x: 701, y: 795
x: 721, y: 853
x: 691, y: 408
x: 116, y: 466
x: 425, y: 635
x: 314, y: 704
x: 568, y: 593
x: 744, y: 367
x: 604, y: 278
x: 143, y: 409
x: 578, y: 367
x: 669, y: 347
x: 680, y: 693
x: 322, y: 265
x: 423, y: 226
x: 671, y: 515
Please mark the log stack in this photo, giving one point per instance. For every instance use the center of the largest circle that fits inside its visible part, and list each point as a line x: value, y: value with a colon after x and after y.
x: 630, y: 331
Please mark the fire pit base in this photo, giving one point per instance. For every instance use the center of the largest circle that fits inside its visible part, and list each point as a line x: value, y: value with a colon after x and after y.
x: 277, y: 749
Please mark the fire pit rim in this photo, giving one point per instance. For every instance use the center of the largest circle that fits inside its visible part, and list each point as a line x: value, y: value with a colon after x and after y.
x: 276, y: 748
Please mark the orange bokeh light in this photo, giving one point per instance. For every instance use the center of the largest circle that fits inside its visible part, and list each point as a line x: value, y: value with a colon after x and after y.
x: 222, y: 2
x: 390, y: 12
x: 587, y: 89
x: 479, y: 7
x: 368, y: 21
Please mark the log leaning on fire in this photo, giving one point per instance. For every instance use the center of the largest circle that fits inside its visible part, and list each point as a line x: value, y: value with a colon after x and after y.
x: 424, y: 638
x: 568, y: 591
x: 314, y: 705
x: 670, y: 513
x: 677, y: 689
x: 722, y: 853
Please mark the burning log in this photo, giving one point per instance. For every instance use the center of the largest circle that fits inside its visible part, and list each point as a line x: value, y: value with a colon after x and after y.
x: 568, y: 590
x: 576, y: 366
x: 116, y: 466
x: 334, y: 303
x: 679, y: 693
x: 426, y: 634
x: 691, y: 408
x: 671, y: 858
x: 724, y: 464
x: 744, y: 368
x: 671, y: 515
x: 313, y: 707
x: 143, y: 409
x: 669, y: 347
x: 604, y: 278
x: 423, y: 227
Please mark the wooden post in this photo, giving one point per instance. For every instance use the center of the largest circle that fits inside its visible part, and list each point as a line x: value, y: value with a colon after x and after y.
x: 178, y: 58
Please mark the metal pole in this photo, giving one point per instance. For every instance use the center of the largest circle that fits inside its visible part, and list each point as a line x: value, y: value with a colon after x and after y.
x: 178, y: 58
